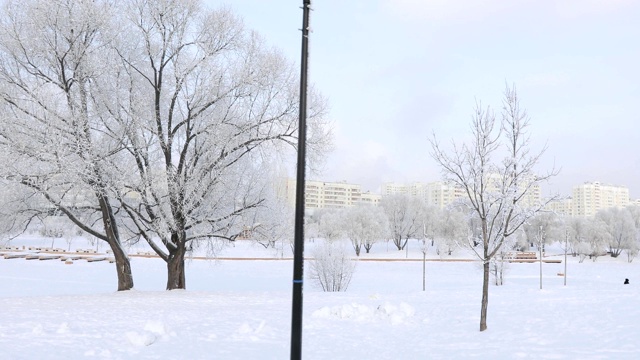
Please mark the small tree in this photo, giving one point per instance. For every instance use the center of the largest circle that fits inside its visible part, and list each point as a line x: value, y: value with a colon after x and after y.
x: 364, y: 225
x: 634, y: 247
x: 542, y: 228
x: 452, y: 230
x: 405, y: 216
x: 331, y: 224
x: 597, y: 238
x: 332, y: 268
x: 498, y: 193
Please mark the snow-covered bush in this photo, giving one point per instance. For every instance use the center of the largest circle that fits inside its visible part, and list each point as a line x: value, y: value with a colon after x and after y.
x: 332, y: 267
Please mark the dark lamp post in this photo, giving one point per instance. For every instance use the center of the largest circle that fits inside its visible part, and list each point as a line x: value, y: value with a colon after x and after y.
x: 298, y: 251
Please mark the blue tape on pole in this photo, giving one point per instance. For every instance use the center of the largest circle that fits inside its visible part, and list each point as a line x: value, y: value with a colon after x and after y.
x: 297, y: 281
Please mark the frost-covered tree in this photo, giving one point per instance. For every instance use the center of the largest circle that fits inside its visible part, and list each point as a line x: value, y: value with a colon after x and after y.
x: 364, y: 225
x: 203, y: 103
x: 577, y: 232
x: 271, y: 225
x: 331, y: 224
x: 634, y: 247
x: 496, y: 172
x: 165, y: 111
x: 430, y: 226
x: 52, y: 133
x: 620, y: 228
x: 405, y: 216
x: 543, y: 229
x: 452, y: 231
x: 595, y: 241
x: 332, y: 267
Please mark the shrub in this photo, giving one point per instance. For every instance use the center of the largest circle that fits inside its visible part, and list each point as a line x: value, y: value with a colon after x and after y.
x: 332, y: 268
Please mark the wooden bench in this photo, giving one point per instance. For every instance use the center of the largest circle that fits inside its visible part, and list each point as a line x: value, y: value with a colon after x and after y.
x: 15, y: 256
x: 49, y: 257
x: 527, y: 256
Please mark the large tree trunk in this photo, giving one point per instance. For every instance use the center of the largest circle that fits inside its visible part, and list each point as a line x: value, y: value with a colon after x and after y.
x: 175, y: 265
x: 123, y: 265
x: 123, y: 268
x: 485, y: 297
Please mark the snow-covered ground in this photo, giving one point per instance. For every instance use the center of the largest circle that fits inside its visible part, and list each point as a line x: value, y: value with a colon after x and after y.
x: 241, y: 309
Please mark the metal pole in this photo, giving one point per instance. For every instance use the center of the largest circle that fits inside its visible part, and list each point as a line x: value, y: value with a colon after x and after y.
x: 424, y: 257
x: 566, y: 245
x: 540, y: 250
x: 298, y: 252
x: 424, y: 270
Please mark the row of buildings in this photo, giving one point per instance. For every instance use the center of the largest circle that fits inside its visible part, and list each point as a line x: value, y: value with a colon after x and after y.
x: 586, y: 198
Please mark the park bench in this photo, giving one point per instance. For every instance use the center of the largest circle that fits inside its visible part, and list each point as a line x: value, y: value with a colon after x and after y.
x: 49, y: 257
x: 15, y: 256
x: 524, y: 256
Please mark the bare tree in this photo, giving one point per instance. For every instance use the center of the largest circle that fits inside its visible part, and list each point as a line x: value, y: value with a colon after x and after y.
x: 272, y: 224
x: 430, y: 225
x: 498, y: 192
x: 543, y: 229
x: 332, y: 268
x: 51, y: 129
x: 364, y: 225
x: 452, y: 230
x: 588, y: 237
x: 405, y: 216
x: 634, y: 247
x: 597, y: 238
x: 331, y: 224
x: 620, y: 227
x: 203, y: 102
x: 577, y: 232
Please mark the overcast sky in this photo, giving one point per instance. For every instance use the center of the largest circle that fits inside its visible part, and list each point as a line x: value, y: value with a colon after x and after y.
x: 394, y: 71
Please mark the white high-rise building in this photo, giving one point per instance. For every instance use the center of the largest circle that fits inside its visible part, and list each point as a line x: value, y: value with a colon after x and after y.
x: 590, y: 197
x: 441, y: 194
x: 390, y: 188
x: 437, y: 193
x: 561, y: 206
x: 323, y: 194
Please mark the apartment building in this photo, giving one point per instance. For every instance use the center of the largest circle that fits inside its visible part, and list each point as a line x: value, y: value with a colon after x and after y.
x: 390, y: 188
x: 416, y: 189
x: 441, y: 194
x: 590, y: 197
x: 370, y: 198
x: 437, y: 193
x: 323, y: 194
x: 587, y: 198
x: 561, y: 206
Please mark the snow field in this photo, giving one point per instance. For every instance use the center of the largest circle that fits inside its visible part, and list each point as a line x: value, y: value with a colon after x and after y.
x: 242, y: 310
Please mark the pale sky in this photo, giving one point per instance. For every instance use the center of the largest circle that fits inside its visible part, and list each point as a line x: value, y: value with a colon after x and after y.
x: 394, y: 71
